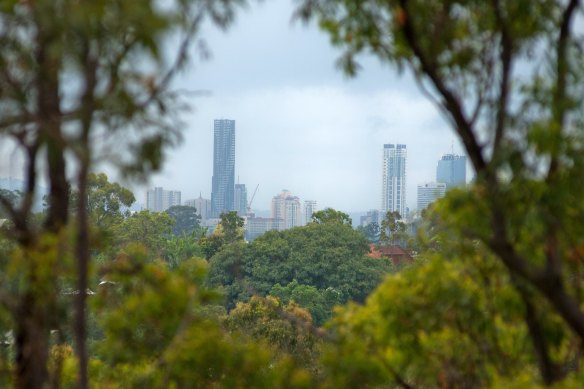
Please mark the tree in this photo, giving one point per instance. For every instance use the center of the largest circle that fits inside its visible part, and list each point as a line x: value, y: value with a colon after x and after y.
x: 160, y: 330
x: 186, y: 219
x: 284, y: 326
x: 371, y: 231
x: 106, y: 200
x: 231, y: 227
x: 509, y: 80
x: 318, y: 302
x: 330, y: 215
x: 319, y: 256
x: 150, y: 229
x: 393, y: 229
x: 81, y: 82
x: 229, y: 230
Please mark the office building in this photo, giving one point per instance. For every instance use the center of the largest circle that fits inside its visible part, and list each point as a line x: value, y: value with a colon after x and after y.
x: 203, y: 206
x: 310, y: 207
x: 159, y: 200
x: 451, y: 170
x: 222, y: 194
x: 256, y: 226
x: 240, y: 199
x: 372, y: 216
x: 393, y: 183
x: 430, y: 192
x: 287, y: 207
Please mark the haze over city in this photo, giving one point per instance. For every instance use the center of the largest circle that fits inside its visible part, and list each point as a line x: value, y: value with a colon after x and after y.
x: 301, y: 124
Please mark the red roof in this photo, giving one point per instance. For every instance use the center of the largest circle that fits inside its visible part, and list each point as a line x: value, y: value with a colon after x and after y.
x: 395, y: 253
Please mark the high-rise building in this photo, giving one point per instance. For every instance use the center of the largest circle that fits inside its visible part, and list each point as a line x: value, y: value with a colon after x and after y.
x: 240, y: 199
x: 372, y: 216
x: 222, y: 195
x: 393, y: 182
x: 310, y: 207
x: 287, y: 207
x: 430, y: 192
x: 203, y: 207
x: 159, y: 200
x: 451, y: 170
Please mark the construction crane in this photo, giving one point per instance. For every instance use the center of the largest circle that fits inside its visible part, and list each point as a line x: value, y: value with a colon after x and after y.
x: 251, y: 201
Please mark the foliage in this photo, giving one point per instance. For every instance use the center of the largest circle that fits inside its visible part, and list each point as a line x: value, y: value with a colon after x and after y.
x: 150, y: 229
x: 11, y: 197
x: 149, y: 342
x: 322, y: 256
x: 228, y: 231
x: 230, y: 227
x: 285, y: 328
x: 371, y: 231
x: 508, y: 77
x: 439, y: 324
x: 107, y: 200
x: 320, y: 303
x: 330, y: 215
x: 180, y: 248
x: 186, y: 219
x: 393, y: 229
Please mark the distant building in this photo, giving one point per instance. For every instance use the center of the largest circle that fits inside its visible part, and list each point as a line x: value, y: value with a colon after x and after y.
x: 222, y: 194
x: 393, y: 182
x: 451, y: 170
x: 256, y: 226
x: 159, y: 200
x: 310, y: 207
x: 372, y: 216
x: 203, y: 207
x: 287, y: 207
x: 210, y: 224
x: 240, y: 199
x: 430, y: 192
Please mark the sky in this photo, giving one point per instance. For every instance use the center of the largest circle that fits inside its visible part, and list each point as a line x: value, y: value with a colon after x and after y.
x: 301, y: 124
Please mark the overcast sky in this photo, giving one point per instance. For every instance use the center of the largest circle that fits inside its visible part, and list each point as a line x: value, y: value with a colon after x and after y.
x: 300, y: 123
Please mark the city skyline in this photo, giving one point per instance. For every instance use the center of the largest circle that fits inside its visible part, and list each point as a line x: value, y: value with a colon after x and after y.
x: 301, y: 123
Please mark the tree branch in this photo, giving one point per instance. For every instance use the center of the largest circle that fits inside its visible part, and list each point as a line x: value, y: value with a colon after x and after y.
x: 451, y: 102
x: 506, y: 66
x: 550, y: 372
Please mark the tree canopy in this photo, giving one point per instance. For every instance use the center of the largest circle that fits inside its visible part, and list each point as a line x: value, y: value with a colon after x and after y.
x: 325, y: 260
x: 186, y: 219
x: 330, y: 215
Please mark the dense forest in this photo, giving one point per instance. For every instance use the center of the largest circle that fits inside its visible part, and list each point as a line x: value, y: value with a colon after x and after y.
x: 94, y: 296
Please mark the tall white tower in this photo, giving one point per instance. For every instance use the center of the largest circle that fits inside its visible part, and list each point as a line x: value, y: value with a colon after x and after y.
x: 393, y: 182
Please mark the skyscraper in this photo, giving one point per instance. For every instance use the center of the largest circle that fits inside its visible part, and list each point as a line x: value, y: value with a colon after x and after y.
x: 310, y: 207
x: 203, y: 207
x: 222, y: 192
x: 159, y: 200
x: 240, y: 199
x: 451, y: 170
x: 287, y: 207
x: 430, y: 192
x: 393, y: 182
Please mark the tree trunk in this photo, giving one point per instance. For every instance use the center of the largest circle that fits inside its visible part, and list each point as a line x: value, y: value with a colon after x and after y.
x: 32, y: 343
